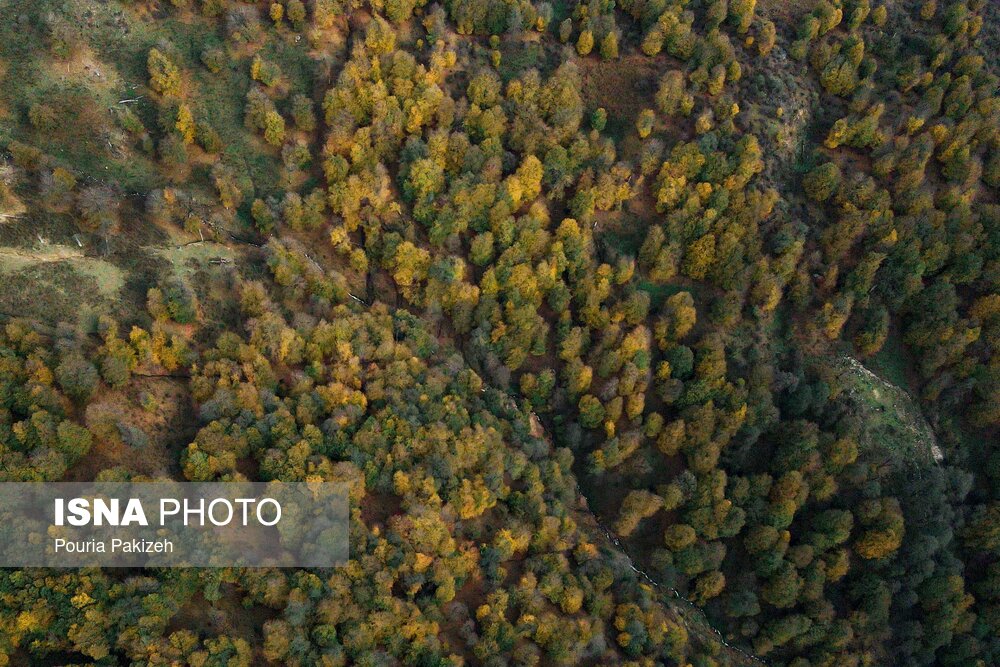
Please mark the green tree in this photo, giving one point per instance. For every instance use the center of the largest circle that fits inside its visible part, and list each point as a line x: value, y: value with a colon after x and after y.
x: 591, y: 411
x: 274, y: 128
x: 609, y: 45
x: 822, y: 182
x: 77, y: 377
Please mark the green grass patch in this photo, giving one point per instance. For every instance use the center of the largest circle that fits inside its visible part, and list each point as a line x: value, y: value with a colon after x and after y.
x: 658, y: 293
x: 107, y: 277
x: 81, y: 57
x: 55, y: 289
x: 187, y: 260
x: 892, y: 424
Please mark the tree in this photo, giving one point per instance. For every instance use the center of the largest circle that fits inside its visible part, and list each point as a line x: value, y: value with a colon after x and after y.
x: 185, y: 124
x: 741, y: 13
x: 565, y: 30
x: 670, y: 93
x: 883, y: 519
x: 822, y: 182
x: 679, y: 317
x: 380, y: 37
x: 652, y: 41
x: 410, y: 264
x: 839, y: 76
x: 709, y: 585
x: 73, y: 441
x: 230, y: 192
x: 782, y: 588
x: 264, y: 71
x: 208, y: 138
x: 578, y: 376
x: 983, y: 531
x: 214, y: 59
x: 274, y: 128
x: 57, y: 188
x: 302, y: 113
x: 873, y: 331
x: 858, y: 13
x: 173, y: 156
x: 164, y: 77
x: 829, y: 16
x: 644, y: 123
x: 679, y: 536
x: 699, y: 257
x: 544, y: 17
x: 296, y: 13
x: 585, y: 42
x: 637, y: 506
x: 716, y: 13
x: 262, y: 216
x: 609, y: 45
x: 767, y: 38
x: 98, y: 206
x: 77, y: 377
x: 830, y: 528
x: 277, y: 12
x: 591, y: 411
x: 176, y: 300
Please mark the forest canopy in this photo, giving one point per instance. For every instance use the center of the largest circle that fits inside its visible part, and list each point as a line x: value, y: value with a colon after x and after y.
x: 643, y: 333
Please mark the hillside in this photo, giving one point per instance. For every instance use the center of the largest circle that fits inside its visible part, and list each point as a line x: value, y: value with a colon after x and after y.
x: 644, y: 333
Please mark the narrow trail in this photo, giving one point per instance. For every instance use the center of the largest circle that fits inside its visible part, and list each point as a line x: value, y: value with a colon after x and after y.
x: 237, y: 245
x: 691, y: 606
x: 52, y: 254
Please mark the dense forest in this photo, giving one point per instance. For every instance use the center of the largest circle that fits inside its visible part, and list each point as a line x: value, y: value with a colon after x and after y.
x: 651, y: 332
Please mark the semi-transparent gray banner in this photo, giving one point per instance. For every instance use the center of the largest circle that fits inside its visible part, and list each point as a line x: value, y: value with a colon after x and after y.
x: 173, y: 524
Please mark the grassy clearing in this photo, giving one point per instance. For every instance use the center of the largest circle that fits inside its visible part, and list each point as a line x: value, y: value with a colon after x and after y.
x: 57, y: 290
x: 189, y: 259
x: 107, y: 277
x: 892, y: 423
x: 159, y: 408
x: 59, y: 53
x: 57, y: 283
x: 623, y: 87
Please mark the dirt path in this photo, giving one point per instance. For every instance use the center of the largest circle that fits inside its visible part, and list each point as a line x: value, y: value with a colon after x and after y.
x: 55, y: 253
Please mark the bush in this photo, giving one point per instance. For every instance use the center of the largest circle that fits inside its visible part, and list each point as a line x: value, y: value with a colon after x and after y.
x: 214, y: 59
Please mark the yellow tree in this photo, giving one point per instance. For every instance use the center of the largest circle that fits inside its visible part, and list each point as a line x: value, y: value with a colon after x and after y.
x: 185, y: 124
x: 164, y: 77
